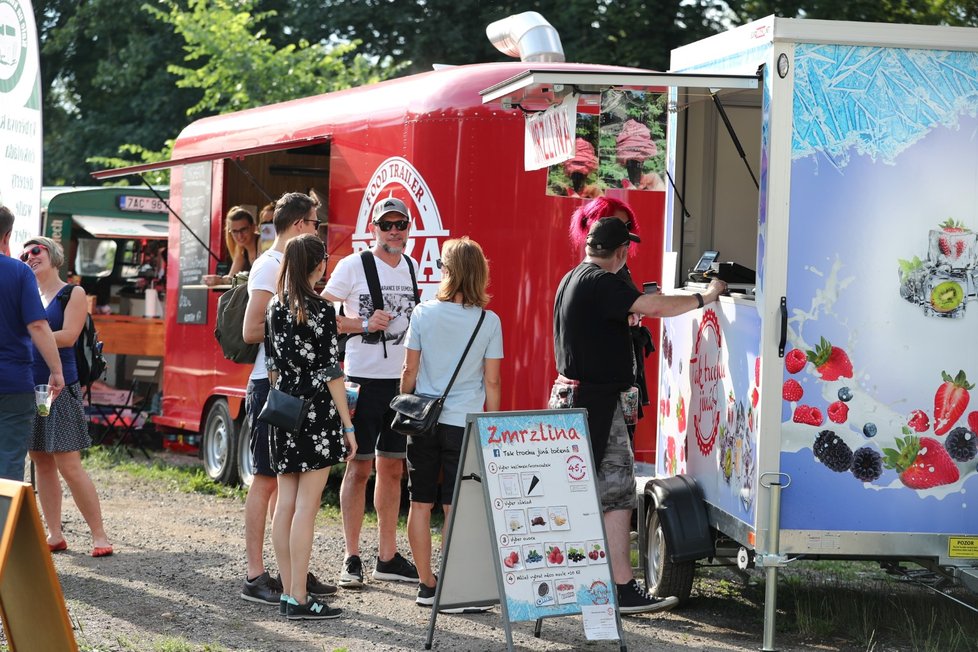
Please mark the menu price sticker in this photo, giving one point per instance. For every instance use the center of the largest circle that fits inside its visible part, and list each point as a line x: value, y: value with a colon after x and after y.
x: 545, y: 514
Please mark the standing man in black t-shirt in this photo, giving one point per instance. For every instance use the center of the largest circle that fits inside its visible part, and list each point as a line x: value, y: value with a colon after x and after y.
x: 593, y: 347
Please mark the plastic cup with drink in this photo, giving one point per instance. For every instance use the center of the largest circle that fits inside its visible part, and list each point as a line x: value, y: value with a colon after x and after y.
x: 43, y: 398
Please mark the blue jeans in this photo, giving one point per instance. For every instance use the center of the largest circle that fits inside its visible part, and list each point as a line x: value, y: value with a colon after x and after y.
x: 16, y: 419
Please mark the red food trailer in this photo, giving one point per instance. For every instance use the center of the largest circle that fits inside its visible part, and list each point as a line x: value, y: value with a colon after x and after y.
x: 427, y: 139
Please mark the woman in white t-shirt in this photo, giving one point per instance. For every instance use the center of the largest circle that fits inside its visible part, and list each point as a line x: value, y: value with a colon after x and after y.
x: 439, y: 332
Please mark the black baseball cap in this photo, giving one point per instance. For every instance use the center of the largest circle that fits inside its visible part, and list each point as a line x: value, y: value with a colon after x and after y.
x: 609, y: 233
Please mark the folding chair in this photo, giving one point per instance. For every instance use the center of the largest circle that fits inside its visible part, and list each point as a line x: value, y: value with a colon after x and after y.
x: 124, y: 418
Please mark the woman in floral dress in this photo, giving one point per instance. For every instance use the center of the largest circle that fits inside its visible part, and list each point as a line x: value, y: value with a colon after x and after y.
x: 301, y: 354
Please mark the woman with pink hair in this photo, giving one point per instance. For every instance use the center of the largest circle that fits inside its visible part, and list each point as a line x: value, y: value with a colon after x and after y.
x: 580, y: 224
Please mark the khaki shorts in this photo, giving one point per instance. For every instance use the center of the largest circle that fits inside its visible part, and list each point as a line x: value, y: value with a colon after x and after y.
x: 616, y: 477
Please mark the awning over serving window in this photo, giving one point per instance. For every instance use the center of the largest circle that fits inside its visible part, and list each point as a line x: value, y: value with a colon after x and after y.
x: 117, y: 227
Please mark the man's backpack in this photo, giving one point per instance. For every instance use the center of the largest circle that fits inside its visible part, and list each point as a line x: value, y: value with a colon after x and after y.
x: 88, y: 347
x: 230, y: 319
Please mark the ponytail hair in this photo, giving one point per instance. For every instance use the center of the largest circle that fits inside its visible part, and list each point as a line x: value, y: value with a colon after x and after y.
x: 302, y: 254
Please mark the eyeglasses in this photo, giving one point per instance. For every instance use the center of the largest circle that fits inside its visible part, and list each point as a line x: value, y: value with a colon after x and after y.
x: 629, y: 225
x: 33, y: 251
x: 400, y: 225
x: 242, y: 230
x: 316, y: 222
x: 439, y: 264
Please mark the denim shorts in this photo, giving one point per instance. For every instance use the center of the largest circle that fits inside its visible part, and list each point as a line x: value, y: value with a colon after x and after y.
x: 616, y: 476
x: 255, y: 396
x: 16, y: 419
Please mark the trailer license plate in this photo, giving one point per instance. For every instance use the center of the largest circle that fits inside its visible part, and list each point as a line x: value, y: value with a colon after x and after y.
x: 962, y: 547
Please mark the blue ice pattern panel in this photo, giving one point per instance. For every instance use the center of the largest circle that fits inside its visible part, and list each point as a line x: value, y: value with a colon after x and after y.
x: 879, y: 101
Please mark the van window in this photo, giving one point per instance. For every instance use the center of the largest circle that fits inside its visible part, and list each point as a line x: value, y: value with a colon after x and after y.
x: 95, y: 257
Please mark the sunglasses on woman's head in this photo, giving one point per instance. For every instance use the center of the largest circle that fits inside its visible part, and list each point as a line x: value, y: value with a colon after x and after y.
x: 400, y: 225
x: 33, y: 251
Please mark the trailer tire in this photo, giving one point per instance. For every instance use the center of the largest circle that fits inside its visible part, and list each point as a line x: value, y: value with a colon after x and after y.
x: 662, y: 576
x: 246, y: 461
x: 220, y: 443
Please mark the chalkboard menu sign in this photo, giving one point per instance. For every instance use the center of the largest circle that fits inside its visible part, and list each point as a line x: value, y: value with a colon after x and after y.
x: 194, y: 256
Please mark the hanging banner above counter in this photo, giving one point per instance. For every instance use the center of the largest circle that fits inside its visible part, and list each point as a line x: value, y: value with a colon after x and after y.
x: 550, y: 135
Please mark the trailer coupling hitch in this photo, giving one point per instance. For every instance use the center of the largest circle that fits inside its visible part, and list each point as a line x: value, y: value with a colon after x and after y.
x: 769, y: 560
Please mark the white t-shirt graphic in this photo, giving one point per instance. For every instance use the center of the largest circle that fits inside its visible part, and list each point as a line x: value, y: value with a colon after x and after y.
x: 349, y: 283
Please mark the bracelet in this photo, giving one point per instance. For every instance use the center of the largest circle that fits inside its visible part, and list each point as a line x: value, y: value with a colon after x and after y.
x: 347, y: 430
x: 699, y: 299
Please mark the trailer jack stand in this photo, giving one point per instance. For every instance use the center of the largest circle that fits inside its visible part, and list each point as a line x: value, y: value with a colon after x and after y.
x: 772, y: 560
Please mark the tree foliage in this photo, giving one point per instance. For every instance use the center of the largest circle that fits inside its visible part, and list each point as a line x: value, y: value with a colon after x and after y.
x: 104, y: 83
x: 236, y: 66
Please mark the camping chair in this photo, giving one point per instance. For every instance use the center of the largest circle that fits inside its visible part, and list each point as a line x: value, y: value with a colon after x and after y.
x: 124, y: 418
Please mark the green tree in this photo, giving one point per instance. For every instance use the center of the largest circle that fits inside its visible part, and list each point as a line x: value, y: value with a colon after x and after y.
x: 104, y: 83
x: 623, y: 32
x: 239, y: 65
x: 918, y: 12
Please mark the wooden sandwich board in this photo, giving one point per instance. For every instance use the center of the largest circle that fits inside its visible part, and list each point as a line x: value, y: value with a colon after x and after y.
x: 32, y: 606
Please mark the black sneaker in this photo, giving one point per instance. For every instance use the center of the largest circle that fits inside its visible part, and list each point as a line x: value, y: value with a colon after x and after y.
x: 397, y: 569
x: 263, y: 589
x: 633, y: 600
x: 313, y: 609
x: 283, y: 608
x: 426, y: 595
x: 352, y: 575
x: 426, y: 598
x: 316, y: 587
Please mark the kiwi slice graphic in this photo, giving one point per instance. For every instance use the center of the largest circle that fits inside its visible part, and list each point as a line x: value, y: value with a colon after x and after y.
x: 946, y: 296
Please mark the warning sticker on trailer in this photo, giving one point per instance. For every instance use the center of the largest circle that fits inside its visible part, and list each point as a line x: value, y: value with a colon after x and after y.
x: 966, y: 547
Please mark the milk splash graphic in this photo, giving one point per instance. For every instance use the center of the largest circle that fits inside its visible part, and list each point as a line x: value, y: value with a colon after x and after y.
x: 864, y: 407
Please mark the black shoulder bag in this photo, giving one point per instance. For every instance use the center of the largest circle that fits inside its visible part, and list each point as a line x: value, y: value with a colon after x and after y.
x: 417, y: 416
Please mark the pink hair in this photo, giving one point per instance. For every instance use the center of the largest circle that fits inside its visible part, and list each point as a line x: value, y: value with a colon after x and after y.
x: 587, y: 214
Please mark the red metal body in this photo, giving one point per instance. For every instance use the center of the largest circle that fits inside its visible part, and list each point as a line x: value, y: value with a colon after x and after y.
x: 427, y: 139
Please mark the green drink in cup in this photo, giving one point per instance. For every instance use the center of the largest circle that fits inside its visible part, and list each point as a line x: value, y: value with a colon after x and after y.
x: 42, y: 398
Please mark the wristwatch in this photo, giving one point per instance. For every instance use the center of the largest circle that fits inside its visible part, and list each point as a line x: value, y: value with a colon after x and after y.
x: 366, y: 326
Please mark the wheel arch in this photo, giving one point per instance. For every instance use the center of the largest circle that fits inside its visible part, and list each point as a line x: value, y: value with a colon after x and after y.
x: 682, y: 513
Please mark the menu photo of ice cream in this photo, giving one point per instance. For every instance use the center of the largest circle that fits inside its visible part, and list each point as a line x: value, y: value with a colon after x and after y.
x: 559, y: 520
x: 539, y: 519
x: 509, y: 485
x: 566, y: 591
x: 515, y: 520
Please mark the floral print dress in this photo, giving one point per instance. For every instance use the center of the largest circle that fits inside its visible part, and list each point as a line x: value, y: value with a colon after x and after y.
x: 305, y: 357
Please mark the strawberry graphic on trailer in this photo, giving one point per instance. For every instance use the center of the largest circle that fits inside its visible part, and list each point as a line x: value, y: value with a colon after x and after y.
x: 831, y: 362
x: 922, y: 463
x: 950, y: 401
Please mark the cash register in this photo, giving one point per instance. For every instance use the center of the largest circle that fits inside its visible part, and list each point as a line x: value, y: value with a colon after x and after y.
x: 739, y: 279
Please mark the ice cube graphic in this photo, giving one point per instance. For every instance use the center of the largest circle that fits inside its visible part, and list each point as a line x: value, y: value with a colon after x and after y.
x: 956, y: 250
x: 945, y: 293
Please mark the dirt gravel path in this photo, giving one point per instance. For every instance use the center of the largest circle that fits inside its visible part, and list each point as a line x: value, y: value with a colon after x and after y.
x: 176, y: 575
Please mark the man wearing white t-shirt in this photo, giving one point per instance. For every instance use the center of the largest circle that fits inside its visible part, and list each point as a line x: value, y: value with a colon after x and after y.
x: 295, y: 215
x: 374, y: 357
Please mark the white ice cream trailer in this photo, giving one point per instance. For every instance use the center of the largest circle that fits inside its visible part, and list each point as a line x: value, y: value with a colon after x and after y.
x: 822, y: 409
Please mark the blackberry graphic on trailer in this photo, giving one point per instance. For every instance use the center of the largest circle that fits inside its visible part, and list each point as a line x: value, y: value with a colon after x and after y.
x: 399, y: 302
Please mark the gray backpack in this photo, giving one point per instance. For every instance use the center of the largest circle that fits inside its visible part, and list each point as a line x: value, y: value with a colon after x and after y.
x: 230, y: 319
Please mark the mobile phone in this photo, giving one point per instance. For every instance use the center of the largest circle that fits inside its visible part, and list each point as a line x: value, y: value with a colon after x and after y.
x: 650, y: 288
x: 706, y: 261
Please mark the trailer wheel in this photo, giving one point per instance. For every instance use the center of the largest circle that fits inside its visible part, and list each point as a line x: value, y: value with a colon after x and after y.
x: 220, y: 443
x: 246, y: 461
x: 662, y: 576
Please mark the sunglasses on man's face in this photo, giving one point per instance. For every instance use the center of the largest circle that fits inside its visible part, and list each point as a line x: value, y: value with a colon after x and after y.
x: 316, y: 222
x: 400, y: 225
x: 33, y: 251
